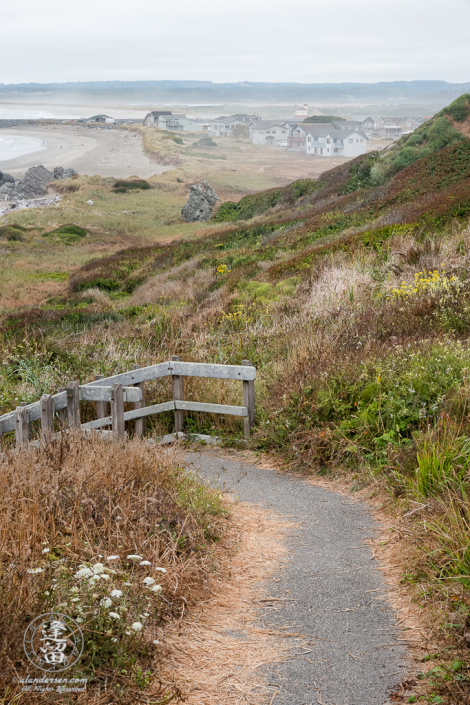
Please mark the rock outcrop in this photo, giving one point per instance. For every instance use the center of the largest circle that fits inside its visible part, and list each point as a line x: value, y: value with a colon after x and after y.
x: 33, y: 184
x: 6, y: 178
x: 199, y: 204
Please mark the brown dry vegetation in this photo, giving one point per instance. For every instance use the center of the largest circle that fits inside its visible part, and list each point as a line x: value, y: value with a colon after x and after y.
x: 73, y: 505
x: 352, y: 378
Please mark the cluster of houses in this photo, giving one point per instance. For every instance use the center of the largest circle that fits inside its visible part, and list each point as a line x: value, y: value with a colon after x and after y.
x: 338, y: 138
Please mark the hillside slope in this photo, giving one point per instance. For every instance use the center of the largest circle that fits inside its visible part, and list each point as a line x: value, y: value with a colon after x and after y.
x: 351, y: 295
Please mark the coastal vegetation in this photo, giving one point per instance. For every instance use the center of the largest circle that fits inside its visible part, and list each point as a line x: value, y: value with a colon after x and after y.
x: 350, y: 293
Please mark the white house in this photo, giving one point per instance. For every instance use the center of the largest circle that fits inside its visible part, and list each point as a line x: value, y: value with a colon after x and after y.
x: 269, y: 132
x: 223, y: 126
x: 152, y: 118
x: 102, y: 119
x: 327, y: 141
x: 179, y: 122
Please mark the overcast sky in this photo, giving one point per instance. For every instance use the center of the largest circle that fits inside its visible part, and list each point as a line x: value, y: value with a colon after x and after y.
x: 235, y: 40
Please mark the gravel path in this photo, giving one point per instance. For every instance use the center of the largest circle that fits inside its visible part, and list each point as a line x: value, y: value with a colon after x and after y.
x: 330, y: 591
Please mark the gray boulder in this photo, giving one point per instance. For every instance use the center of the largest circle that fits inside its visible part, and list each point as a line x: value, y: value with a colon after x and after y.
x: 34, y: 182
x: 61, y: 173
x: 199, y: 204
x: 68, y: 173
x: 6, y: 178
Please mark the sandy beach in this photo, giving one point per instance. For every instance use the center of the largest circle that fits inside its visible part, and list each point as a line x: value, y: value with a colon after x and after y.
x: 101, y: 152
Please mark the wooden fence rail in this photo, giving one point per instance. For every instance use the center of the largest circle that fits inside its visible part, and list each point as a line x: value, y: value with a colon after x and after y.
x: 129, y: 387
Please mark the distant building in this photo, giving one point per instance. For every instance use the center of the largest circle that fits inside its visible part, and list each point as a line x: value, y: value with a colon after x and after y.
x: 297, y: 139
x: 301, y: 113
x: 224, y: 125
x: 349, y: 125
x: 327, y: 141
x: 153, y: 117
x: 101, y: 118
x: 368, y: 124
x: 180, y: 122
x: 269, y: 132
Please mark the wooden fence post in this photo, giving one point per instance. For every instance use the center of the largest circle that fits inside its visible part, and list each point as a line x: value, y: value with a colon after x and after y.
x: 22, y: 427
x: 25, y: 403
x: 248, y: 401
x: 178, y: 395
x: 47, y: 418
x: 117, y: 411
x: 139, y: 423
x: 73, y: 404
x: 62, y: 413
x: 101, y: 406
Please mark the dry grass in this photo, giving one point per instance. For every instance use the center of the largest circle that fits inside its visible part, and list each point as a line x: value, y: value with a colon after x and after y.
x: 339, y: 283
x: 76, y: 503
x: 218, y: 649
x: 183, y: 283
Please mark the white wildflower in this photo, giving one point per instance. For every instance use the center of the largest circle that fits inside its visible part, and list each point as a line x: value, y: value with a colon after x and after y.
x: 74, y: 589
x: 34, y: 571
x: 98, y: 568
x: 128, y: 584
x: 156, y: 588
x: 45, y: 550
x: 134, y: 558
x: 143, y: 562
x: 78, y: 619
x: 112, y: 558
x: 47, y: 592
x: 106, y: 602
x: 103, y: 576
x: 114, y: 638
x: 114, y: 615
x: 155, y: 641
x: 162, y: 570
x: 136, y: 626
x: 148, y: 581
x: 116, y: 593
x: 84, y: 573
x: 75, y: 599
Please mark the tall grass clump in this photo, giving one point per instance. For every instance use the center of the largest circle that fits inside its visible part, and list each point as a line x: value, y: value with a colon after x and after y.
x: 116, y: 535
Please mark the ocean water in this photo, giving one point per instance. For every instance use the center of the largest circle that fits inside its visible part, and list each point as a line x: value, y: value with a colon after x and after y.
x: 13, y: 146
x: 27, y: 113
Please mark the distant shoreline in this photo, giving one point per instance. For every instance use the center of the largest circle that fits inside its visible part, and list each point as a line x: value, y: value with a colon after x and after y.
x: 98, y: 152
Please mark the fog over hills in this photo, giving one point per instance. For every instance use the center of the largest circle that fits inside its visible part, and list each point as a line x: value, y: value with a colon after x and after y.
x: 436, y: 94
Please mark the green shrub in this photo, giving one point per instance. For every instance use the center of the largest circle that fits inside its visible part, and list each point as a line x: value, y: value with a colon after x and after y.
x: 135, y: 185
x: 102, y: 283
x: 247, y: 207
x: 68, y: 234
x: 459, y: 110
x: 264, y: 292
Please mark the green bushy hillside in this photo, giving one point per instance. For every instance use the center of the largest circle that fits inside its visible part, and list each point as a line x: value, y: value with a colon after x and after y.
x: 351, y: 295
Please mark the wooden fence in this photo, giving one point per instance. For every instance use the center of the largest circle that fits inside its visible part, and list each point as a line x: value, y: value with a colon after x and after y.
x: 129, y: 387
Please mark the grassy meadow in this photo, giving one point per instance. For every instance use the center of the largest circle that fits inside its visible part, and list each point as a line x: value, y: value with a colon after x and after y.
x: 349, y: 292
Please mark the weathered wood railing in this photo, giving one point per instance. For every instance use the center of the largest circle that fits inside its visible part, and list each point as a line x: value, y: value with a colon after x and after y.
x: 129, y: 387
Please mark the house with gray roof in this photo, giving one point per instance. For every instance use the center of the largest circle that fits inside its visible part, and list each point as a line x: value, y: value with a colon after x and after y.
x: 269, y: 133
x: 223, y: 126
x: 327, y: 141
x: 152, y: 118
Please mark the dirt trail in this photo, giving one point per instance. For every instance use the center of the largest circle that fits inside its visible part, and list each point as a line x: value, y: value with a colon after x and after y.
x: 345, y: 647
